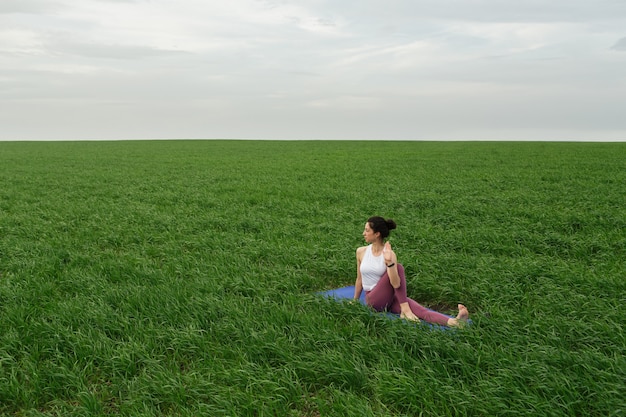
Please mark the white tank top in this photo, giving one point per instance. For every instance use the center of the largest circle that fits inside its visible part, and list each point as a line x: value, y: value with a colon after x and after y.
x: 372, y: 269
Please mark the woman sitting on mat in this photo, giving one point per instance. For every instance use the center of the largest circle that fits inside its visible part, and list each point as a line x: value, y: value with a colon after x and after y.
x: 382, y: 278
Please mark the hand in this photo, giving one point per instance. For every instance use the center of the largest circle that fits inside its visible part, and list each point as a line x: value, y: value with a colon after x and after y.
x: 388, y: 253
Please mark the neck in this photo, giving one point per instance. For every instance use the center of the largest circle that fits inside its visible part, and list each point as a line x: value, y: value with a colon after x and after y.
x: 377, y: 246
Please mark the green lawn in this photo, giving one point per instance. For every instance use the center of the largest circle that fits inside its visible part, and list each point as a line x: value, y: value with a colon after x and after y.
x: 156, y: 278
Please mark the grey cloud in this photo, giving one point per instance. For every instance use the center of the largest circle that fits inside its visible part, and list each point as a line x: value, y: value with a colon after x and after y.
x: 42, y: 6
x: 114, y: 51
x: 101, y: 84
x: 29, y: 6
x: 620, y: 45
x: 399, y: 70
x: 488, y: 10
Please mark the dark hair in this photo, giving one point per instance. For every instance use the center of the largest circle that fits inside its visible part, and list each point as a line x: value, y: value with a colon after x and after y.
x: 378, y: 224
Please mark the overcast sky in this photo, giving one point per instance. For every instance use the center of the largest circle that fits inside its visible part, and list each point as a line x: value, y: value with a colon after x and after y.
x: 313, y: 69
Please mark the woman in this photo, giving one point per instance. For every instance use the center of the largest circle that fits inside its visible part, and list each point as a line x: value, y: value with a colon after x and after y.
x: 382, y: 278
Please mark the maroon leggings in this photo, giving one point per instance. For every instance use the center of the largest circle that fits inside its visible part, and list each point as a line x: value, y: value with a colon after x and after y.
x: 385, y: 297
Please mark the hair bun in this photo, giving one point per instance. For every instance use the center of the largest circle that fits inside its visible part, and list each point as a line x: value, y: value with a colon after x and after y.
x: 390, y: 224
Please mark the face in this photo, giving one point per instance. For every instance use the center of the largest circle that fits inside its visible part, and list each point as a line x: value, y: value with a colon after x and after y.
x: 369, y: 235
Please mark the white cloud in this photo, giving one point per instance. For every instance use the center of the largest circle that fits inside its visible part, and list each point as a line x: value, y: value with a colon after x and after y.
x: 20, y: 41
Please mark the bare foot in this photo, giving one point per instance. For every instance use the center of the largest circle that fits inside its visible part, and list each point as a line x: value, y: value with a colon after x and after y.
x: 461, y: 319
x: 409, y: 316
x: 463, y: 313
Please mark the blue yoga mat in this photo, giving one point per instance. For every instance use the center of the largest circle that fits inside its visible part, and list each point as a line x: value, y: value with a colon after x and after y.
x: 347, y: 293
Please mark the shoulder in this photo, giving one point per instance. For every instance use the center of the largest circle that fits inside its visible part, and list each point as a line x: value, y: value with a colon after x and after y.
x: 360, y: 251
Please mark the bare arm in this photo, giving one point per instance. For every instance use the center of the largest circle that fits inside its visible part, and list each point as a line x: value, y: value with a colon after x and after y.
x: 358, y: 285
x: 391, y: 259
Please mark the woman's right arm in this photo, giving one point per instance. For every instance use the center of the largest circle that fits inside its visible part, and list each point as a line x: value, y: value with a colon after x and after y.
x: 358, y: 285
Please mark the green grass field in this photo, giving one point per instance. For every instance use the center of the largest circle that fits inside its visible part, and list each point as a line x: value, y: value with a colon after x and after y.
x: 178, y: 278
